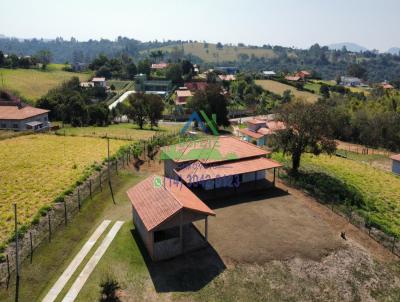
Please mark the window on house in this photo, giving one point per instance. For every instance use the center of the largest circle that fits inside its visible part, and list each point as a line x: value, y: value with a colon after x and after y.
x: 15, y: 126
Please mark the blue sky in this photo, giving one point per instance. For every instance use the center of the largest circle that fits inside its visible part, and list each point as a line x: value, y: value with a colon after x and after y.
x: 371, y: 23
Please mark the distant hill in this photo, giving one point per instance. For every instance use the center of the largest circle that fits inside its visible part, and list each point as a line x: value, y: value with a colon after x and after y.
x: 393, y: 50
x: 353, y: 47
x: 2, y: 36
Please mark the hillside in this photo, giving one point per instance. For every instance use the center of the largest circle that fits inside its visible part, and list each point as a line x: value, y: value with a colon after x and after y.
x: 209, y: 52
x: 279, y: 88
x: 33, y: 83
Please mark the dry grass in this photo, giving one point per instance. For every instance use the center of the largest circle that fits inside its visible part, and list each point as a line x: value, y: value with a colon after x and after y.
x: 279, y: 88
x: 33, y: 83
x: 227, y: 53
x: 37, y: 168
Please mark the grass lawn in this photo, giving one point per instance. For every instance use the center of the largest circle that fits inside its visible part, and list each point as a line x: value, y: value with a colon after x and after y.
x: 37, y: 168
x: 379, y: 190
x: 279, y: 88
x: 119, y: 131
x: 312, y: 85
x: 33, y: 83
x: 213, y: 54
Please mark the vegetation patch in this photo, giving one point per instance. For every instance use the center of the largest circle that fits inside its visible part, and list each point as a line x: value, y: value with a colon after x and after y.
x: 37, y: 169
x: 34, y: 83
x: 373, y: 193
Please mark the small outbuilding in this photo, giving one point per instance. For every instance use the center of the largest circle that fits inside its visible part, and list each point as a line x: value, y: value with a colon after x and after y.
x: 396, y: 164
x: 163, y: 210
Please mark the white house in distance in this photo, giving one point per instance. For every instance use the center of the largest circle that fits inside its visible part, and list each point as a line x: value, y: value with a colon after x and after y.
x: 259, y: 130
x: 95, y: 82
x: 350, y: 81
x: 396, y: 164
x: 269, y: 74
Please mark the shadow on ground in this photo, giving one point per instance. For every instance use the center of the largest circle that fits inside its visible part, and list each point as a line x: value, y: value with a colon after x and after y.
x: 189, y: 272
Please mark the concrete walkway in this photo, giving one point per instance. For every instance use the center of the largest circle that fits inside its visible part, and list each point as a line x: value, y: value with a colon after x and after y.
x: 67, y: 274
x: 121, y: 99
x: 90, y: 266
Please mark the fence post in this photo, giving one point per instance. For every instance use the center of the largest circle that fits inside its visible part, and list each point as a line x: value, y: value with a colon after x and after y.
x: 31, y: 245
x: 48, y: 215
x: 101, y: 186
x: 8, y: 267
x: 65, y: 212
x: 79, y: 200
x: 116, y: 166
x: 90, y: 188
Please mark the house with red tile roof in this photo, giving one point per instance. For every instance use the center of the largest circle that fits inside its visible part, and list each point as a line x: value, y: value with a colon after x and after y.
x: 182, y: 96
x: 159, y: 66
x: 260, y: 130
x: 396, y: 164
x: 17, y: 116
x: 218, y: 162
x: 163, y: 211
x: 303, y: 74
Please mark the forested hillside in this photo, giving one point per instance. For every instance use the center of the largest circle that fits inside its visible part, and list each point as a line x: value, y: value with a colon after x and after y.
x: 326, y: 63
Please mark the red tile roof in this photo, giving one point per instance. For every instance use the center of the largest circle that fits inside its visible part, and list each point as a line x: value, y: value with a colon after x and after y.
x: 197, y: 171
x: 396, y: 157
x: 98, y: 79
x: 228, y: 77
x: 15, y: 113
x: 274, y: 125
x: 294, y: 79
x: 155, y: 205
x: 387, y: 86
x: 159, y: 66
x: 250, y: 133
x: 212, y: 150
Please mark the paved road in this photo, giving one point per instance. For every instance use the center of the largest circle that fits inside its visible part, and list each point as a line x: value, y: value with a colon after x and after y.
x: 121, y: 99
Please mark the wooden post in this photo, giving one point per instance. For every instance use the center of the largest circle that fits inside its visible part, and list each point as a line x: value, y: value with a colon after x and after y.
x: 16, y: 241
x: 48, y: 215
x: 116, y: 166
x: 90, y: 188
x: 108, y: 159
x: 8, y: 267
x: 31, y: 245
x: 79, y: 199
x: 206, y: 228
x: 101, y: 186
x: 274, y: 176
x: 65, y: 213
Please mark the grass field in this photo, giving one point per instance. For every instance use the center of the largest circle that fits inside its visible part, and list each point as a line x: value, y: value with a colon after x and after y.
x: 279, y: 88
x: 227, y: 53
x: 33, y: 83
x: 37, y: 168
x: 379, y: 190
x: 119, y: 131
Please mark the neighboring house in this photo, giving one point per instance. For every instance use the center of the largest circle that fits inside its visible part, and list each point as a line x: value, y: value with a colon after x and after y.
x: 152, y: 86
x: 159, y: 66
x: 163, y: 211
x: 99, y: 82
x: 21, y: 117
x: 396, y: 164
x: 227, y: 77
x: 293, y: 78
x: 269, y: 74
x: 79, y: 66
x: 196, y: 86
x: 182, y: 96
x: 220, y: 162
x: 227, y: 70
x: 350, y: 81
x: 303, y: 74
x: 259, y: 131
x: 386, y: 85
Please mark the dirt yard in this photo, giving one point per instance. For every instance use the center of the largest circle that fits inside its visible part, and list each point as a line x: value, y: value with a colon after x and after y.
x: 268, y: 226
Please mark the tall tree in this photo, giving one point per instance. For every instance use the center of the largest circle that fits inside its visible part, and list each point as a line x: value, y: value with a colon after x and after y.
x: 44, y: 57
x: 155, y: 109
x: 137, y: 109
x: 307, y: 128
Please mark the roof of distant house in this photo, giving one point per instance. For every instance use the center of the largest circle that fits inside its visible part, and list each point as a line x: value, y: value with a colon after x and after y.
x: 159, y: 66
x: 250, y: 133
x: 156, y: 199
x: 306, y: 73
x: 184, y: 93
x: 396, y: 157
x: 227, y: 77
x: 293, y: 78
x: 98, y: 79
x: 387, y: 86
x: 212, y: 150
x: 256, y: 121
x: 225, y: 169
x: 17, y: 113
x: 269, y: 72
